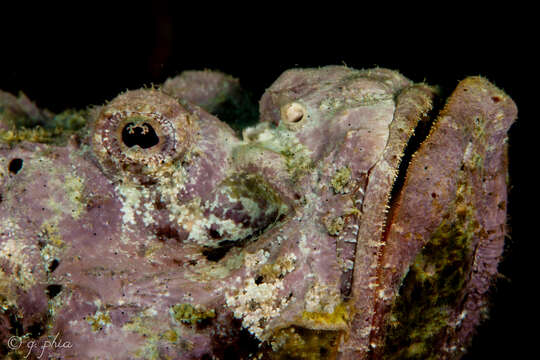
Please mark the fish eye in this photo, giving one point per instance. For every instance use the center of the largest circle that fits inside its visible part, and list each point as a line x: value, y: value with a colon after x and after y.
x: 140, y: 132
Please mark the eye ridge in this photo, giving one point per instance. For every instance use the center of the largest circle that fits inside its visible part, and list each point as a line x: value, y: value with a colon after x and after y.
x: 141, y: 132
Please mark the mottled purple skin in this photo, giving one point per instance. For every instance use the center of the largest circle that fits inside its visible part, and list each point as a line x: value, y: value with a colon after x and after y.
x: 298, y: 209
x: 208, y: 89
x: 16, y: 107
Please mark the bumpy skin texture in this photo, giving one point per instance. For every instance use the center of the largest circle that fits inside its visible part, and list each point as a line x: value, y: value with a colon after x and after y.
x: 156, y: 233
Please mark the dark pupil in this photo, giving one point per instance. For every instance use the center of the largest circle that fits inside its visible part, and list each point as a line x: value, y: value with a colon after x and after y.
x: 142, y: 135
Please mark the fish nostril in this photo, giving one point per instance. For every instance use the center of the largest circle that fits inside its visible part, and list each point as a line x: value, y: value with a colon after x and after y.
x: 293, y: 112
x: 15, y: 166
x: 142, y: 135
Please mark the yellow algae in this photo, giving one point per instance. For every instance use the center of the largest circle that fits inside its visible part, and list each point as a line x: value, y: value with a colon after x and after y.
x: 339, y: 317
x: 99, y: 320
x: 189, y: 314
x: 340, y: 180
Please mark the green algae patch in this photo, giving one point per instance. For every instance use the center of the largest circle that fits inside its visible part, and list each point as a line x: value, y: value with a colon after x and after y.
x: 74, y: 188
x: 50, y: 234
x: 338, y: 318
x: 335, y: 225
x: 170, y: 335
x: 141, y: 325
x: 251, y: 186
x: 340, y: 180
x: 433, y: 286
x: 69, y: 120
x: 42, y: 129
x: 8, y: 296
x: 189, y: 314
x: 297, y: 160
x: 73, y: 201
x: 152, y: 333
x: 36, y: 134
x: 99, y: 320
x: 297, y: 343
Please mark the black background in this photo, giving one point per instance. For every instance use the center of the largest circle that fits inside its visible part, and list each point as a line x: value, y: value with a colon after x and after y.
x: 73, y: 57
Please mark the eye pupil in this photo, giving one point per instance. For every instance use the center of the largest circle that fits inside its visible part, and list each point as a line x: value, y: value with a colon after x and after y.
x: 143, y: 135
